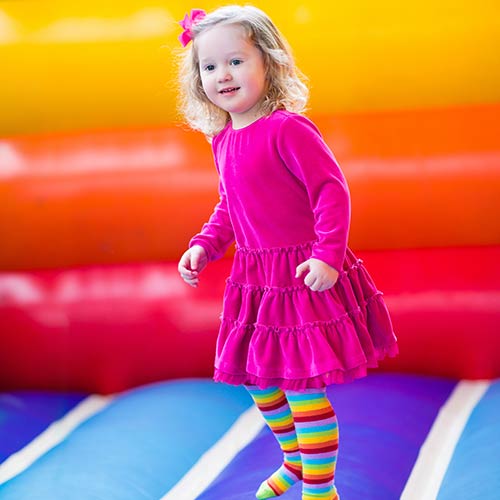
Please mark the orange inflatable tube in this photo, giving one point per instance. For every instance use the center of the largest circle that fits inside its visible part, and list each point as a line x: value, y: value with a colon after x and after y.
x: 417, y: 179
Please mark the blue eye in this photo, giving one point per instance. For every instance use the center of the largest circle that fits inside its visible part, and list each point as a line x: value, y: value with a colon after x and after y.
x: 235, y: 62
x: 209, y: 67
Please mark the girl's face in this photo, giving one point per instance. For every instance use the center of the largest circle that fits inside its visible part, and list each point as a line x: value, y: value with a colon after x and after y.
x: 232, y: 72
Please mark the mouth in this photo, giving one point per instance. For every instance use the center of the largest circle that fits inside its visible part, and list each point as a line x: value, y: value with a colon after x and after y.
x: 229, y: 90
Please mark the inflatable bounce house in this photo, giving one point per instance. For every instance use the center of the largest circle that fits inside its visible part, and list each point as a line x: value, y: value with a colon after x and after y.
x: 106, y: 355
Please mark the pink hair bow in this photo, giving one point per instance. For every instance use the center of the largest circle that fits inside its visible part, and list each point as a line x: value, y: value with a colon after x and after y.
x: 188, y: 22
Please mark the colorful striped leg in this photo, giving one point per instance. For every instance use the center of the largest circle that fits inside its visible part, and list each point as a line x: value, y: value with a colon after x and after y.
x: 274, y: 407
x: 318, y: 437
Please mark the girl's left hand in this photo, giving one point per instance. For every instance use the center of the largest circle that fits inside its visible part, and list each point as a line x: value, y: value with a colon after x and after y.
x: 320, y: 277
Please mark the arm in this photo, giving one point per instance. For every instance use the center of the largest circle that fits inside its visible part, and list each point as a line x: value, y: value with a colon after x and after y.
x: 217, y: 234
x: 307, y: 156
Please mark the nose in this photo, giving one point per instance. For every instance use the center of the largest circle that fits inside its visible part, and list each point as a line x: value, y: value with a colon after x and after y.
x: 224, y: 75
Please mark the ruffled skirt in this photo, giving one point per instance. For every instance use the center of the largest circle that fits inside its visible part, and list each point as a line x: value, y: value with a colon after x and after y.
x: 275, y: 331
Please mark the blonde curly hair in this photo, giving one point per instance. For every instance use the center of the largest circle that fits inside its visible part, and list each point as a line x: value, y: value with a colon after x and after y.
x: 286, y: 87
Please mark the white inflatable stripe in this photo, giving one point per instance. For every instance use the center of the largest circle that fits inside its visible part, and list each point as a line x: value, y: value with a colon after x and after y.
x: 52, y: 436
x: 436, y: 452
x: 213, y: 462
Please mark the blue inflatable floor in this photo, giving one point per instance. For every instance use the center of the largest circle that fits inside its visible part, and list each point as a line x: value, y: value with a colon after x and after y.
x: 401, y: 436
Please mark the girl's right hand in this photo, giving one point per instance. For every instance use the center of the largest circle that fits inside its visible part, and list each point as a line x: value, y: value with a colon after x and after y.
x: 192, y: 262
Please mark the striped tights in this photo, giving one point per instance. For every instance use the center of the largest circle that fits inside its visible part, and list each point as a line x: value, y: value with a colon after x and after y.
x: 305, y: 426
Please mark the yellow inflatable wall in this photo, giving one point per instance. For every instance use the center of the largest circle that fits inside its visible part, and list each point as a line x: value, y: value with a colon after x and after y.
x: 93, y: 64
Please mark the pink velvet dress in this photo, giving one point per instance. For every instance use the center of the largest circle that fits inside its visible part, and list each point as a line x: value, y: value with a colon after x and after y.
x: 284, y: 199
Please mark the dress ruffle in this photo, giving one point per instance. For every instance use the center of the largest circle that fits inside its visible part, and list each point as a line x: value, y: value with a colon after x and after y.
x: 275, y: 331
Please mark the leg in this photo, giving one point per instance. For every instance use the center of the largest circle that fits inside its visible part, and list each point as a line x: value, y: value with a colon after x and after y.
x: 274, y: 407
x: 317, y: 434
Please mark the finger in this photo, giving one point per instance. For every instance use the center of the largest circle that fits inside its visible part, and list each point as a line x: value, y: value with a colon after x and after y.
x: 327, y: 285
x: 184, y: 264
x: 301, y: 268
x: 310, y: 280
x: 316, y: 286
x: 184, y: 272
x: 187, y: 271
x: 195, y: 260
x: 190, y: 277
x: 192, y: 281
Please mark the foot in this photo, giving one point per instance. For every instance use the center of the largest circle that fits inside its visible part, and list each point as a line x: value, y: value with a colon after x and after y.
x: 265, y: 491
x: 331, y: 494
x: 282, y: 480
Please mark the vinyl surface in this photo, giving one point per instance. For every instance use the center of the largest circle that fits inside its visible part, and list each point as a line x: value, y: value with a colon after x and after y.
x: 142, y: 442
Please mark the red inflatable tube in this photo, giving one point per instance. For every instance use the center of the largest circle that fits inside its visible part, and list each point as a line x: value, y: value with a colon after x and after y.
x: 105, y: 329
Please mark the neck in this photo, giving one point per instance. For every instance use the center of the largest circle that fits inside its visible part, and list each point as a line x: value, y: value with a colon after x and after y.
x: 242, y: 122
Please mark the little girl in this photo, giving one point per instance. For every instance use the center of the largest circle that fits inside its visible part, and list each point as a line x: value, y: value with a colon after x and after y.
x: 300, y: 311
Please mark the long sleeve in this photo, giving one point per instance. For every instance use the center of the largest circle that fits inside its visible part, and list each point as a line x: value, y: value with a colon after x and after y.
x: 217, y: 234
x: 307, y: 156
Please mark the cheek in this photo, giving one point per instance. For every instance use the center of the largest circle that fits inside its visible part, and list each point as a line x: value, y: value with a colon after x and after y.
x: 206, y: 84
x: 259, y: 77
x: 260, y: 83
